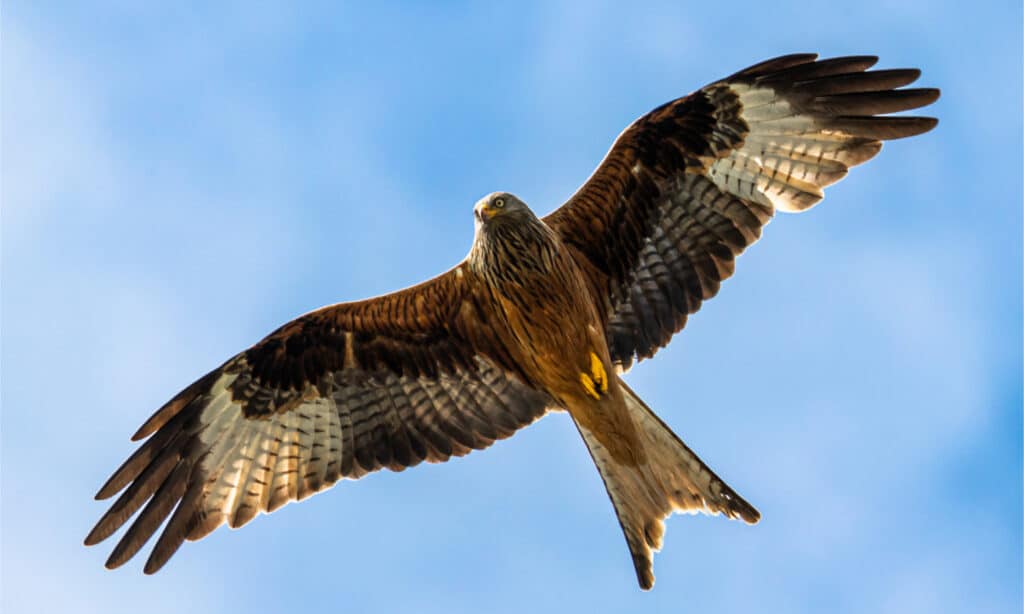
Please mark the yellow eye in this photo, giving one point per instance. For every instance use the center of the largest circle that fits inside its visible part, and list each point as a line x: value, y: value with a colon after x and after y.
x: 498, y: 203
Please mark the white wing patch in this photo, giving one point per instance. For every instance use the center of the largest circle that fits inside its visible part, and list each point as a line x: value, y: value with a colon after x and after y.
x: 786, y: 158
x: 258, y: 465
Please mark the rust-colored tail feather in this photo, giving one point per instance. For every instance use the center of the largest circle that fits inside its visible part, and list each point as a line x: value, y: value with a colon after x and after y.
x: 673, y: 479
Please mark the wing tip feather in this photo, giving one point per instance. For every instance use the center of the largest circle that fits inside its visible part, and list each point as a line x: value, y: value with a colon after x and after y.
x: 179, y: 402
x: 108, y: 490
x: 774, y: 64
x: 91, y: 539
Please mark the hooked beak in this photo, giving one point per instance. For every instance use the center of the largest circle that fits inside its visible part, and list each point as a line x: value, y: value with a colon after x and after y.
x: 484, y: 212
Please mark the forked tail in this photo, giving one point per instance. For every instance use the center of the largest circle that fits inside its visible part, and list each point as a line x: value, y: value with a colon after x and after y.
x: 671, y: 480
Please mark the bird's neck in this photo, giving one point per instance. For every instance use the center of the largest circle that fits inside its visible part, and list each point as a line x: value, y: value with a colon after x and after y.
x: 514, y: 251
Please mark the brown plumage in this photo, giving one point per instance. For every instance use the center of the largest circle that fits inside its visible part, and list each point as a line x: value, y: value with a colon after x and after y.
x: 544, y: 314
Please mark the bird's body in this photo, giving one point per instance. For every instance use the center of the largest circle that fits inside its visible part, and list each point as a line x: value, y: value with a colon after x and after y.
x: 555, y: 330
x: 538, y: 293
x: 544, y: 314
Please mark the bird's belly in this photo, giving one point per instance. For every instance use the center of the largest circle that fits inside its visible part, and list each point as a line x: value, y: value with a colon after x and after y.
x: 558, y: 338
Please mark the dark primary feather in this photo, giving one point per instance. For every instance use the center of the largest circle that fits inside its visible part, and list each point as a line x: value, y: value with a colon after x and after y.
x: 687, y: 187
x: 337, y: 393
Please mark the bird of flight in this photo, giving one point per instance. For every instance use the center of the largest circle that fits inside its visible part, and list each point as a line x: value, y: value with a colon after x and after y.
x: 544, y: 314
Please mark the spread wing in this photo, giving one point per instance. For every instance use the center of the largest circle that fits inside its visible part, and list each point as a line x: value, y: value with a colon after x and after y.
x: 687, y: 187
x: 337, y: 393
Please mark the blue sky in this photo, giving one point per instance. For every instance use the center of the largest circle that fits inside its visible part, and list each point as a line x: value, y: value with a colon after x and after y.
x: 179, y: 180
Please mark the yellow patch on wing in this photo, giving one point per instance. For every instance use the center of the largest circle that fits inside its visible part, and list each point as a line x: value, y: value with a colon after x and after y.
x: 595, y: 382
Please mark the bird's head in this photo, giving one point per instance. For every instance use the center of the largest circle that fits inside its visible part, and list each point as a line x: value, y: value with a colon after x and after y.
x: 505, y: 228
x: 500, y: 206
